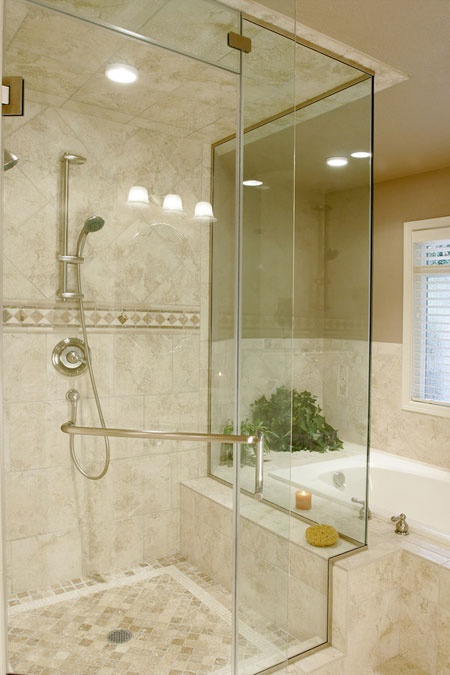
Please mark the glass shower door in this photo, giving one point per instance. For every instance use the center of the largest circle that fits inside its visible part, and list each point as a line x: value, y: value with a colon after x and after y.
x: 265, y: 333
x: 294, y: 335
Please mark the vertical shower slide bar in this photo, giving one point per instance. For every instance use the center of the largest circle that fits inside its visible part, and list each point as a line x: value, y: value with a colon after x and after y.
x: 65, y: 259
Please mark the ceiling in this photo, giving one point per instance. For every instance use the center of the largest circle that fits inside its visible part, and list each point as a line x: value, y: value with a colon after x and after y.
x: 412, y: 120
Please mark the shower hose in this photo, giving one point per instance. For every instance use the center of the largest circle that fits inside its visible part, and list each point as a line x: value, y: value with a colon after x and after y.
x: 74, y: 398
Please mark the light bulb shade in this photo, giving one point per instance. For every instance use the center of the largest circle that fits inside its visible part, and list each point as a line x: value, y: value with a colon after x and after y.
x: 361, y: 154
x: 172, y: 203
x: 138, y: 195
x: 204, y: 211
x: 121, y: 72
x: 337, y: 161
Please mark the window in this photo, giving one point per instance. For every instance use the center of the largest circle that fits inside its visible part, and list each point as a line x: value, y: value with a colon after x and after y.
x: 426, y: 316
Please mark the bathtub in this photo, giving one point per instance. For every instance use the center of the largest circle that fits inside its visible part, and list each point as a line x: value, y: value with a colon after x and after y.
x: 396, y: 485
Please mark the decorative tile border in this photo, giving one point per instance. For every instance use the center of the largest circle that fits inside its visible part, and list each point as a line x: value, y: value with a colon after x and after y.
x: 282, y: 325
x: 38, y: 316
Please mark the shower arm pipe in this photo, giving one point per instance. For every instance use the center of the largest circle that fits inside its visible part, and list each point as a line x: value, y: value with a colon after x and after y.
x: 257, y: 440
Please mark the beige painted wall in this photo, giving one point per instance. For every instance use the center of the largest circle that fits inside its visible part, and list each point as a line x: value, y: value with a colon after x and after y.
x: 415, y: 197
x: 402, y: 432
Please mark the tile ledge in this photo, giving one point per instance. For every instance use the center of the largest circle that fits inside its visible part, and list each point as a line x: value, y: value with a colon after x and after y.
x: 265, y: 516
x: 387, y: 543
x: 315, y: 662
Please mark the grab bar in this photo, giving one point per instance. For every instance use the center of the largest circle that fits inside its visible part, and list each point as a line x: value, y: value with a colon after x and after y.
x: 257, y: 440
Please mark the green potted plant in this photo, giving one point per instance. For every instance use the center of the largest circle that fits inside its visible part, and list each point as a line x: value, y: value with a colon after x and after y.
x: 291, y: 421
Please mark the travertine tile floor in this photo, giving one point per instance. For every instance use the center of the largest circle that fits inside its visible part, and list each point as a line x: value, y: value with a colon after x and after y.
x: 180, y: 620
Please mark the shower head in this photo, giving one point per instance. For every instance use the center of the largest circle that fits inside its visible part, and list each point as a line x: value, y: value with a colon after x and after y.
x: 9, y: 160
x: 91, y: 224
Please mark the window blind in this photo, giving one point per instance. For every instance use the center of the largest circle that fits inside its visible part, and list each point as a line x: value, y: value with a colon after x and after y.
x: 430, y: 368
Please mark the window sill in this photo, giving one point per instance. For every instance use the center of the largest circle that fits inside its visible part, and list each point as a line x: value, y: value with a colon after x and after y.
x: 427, y: 408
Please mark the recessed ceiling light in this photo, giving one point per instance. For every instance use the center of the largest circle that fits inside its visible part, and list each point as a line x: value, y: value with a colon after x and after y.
x: 337, y: 161
x: 121, y: 72
x: 252, y: 183
x: 361, y: 154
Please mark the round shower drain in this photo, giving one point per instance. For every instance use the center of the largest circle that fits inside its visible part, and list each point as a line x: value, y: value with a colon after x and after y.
x: 117, y: 637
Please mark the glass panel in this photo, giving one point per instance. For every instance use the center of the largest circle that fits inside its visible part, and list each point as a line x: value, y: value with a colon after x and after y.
x: 332, y: 316
x: 148, y: 548
x: 268, y: 83
x: 197, y: 28
x: 304, y: 352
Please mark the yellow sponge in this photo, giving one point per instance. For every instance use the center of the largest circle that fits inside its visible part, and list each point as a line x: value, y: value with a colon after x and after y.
x: 321, y: 535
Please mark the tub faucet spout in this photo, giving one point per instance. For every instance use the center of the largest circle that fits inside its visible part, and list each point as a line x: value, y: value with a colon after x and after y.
x: 362, y: 510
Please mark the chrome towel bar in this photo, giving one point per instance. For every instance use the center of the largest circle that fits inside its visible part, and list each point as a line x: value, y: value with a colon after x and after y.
x: 257, y: 440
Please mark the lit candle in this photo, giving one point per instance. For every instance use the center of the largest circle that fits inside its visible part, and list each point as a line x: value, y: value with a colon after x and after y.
x: 303, y: 500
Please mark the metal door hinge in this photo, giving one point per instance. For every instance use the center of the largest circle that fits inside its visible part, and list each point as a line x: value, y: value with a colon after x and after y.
x: 12, y: 95
x: 236, y: 41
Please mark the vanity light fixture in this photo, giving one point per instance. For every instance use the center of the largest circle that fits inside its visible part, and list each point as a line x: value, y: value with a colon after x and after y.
x: 172, y: 203
x: 121, y: 72
x: 204, y: 211
x: 253, y: 182
x: 361, y: 154
x: 337, y: 161
x: 138, y: 196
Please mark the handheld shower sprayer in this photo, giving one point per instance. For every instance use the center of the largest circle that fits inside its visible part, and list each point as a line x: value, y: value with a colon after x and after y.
x: 73, y: 356
x: 91, y: 224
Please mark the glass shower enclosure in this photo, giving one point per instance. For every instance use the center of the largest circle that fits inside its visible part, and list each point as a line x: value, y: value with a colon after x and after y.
x: 230, y: 350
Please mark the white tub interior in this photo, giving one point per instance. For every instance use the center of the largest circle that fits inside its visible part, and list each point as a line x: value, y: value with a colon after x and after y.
x: 396, y: 485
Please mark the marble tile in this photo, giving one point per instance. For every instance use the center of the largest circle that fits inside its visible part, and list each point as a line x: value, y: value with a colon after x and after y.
x: 422, y: 575
x: 189, y: 464
x: 444, y: 586
x: 309, y: 568
x: 114, y: 545
x: 266, y: 545
x: 339, y: 608
x: 150, y: 371
x: 161, y: 534
x: 399, y: 665
x: 24, y: 369
x: 45, y: 559
x: 32, y: 436
x: 374, y: 629
x: 418, y: 624
x: 25, y: 516
x: 264, y: 587
x: 377, y: 577
x: 427, y: 431
x: 443, y: 641
x: 307, y: 610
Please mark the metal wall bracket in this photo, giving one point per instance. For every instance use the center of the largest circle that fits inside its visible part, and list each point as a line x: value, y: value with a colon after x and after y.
x: 12, y: 95
x: 240, y: 42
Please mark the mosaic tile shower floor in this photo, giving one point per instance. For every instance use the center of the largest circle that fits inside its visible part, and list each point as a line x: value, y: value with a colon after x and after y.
x: 179, y: 617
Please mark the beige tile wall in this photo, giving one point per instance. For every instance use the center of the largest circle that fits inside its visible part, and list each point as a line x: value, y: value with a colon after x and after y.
x: 60, y: 525
x: 393, y: 601
x: 405, y: 433
x: 280, y: 576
